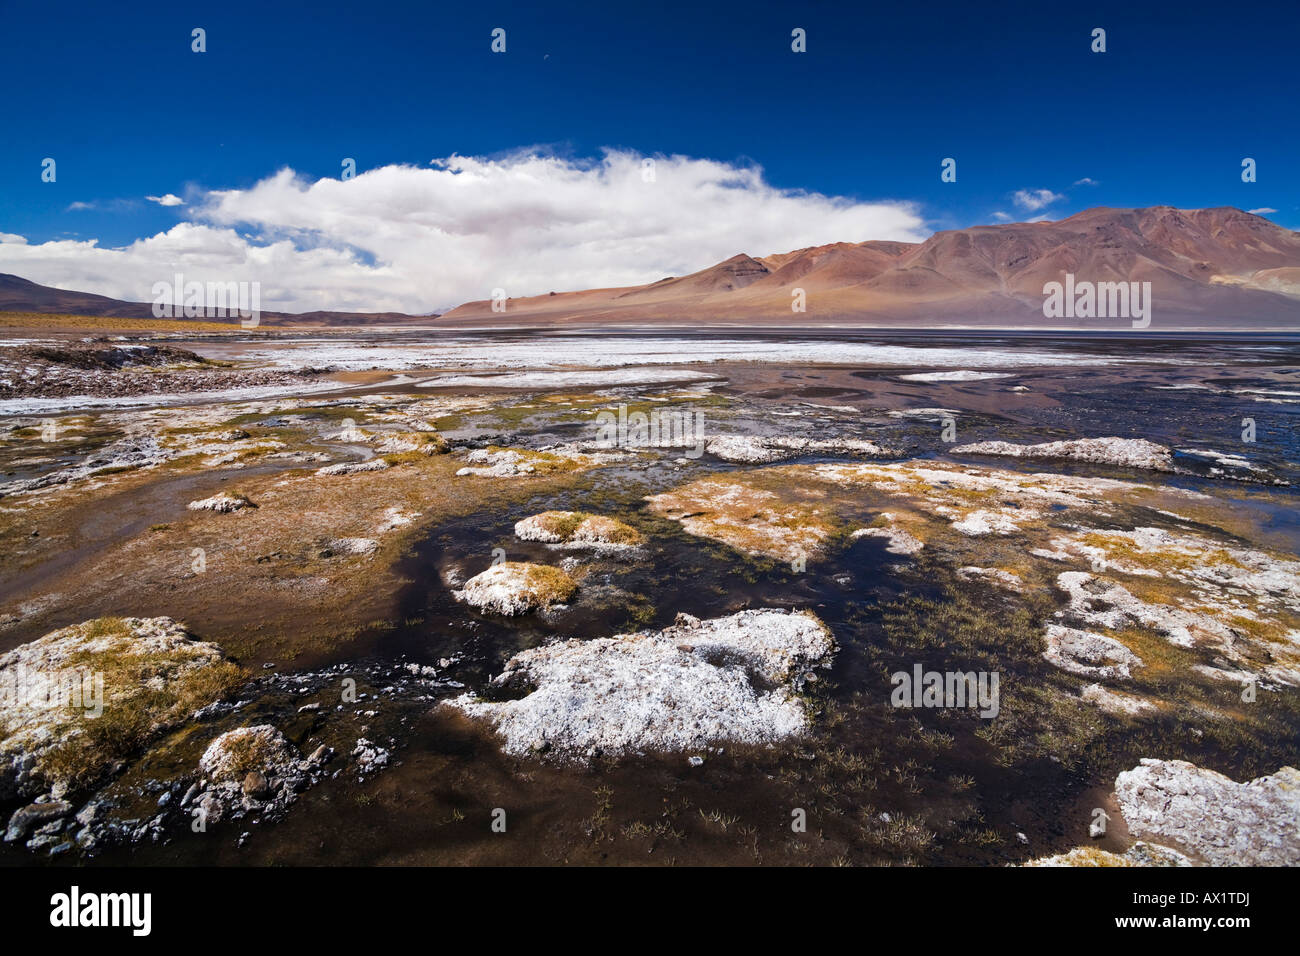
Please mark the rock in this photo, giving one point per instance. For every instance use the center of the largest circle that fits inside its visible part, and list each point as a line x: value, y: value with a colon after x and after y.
x: 764, y: 449
x: 1088, y: 654
x: 396, y: 518
x: 1209, y: 816
x: 370, y: 757
x: 89, y: 813
x: 222, y: 503
x: 426, y: 443
x: 26, y: 818
x: 577, y: 528
x: 1236, y: 602
x: 255, y: 784
x: 753, y: 520
x: 1119, y: 705
x: 980, y: 522
x: 517, y: 462
x: 1139, y: 854
x: 1147, y: 854
x: 1124, y: 452
x: 353, y: 467
x: 514, y: 587
x: 126, y: 454
x: 899, y: 541
x: 996, y: 576
x: 352, y: 546
x: 248, y: 768
x: 958, y: 375
x: 231, y: 757
x: 739, y: 681
x: 97, y: 665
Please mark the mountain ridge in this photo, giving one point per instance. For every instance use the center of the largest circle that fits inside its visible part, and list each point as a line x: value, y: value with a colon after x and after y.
x: 1215, y: 268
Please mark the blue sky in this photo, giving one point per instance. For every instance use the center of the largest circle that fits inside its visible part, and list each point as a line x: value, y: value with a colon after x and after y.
x: 884, y: 93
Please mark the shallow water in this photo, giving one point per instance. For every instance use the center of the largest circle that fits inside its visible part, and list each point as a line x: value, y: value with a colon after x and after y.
x: 434, y: 804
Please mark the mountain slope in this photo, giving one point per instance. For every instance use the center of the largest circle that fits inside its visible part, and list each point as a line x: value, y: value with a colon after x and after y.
x: 1216, y: 268
x: 20, y: 295
x: 1208, y: 268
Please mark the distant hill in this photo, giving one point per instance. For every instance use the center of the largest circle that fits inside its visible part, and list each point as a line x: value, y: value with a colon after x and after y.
x: 20, y: 295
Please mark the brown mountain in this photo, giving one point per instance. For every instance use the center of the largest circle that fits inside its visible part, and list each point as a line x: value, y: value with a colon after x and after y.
x: 1208, y: 268
x: 20, y: 295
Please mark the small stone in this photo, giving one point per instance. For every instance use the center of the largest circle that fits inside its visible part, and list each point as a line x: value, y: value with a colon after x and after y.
x: 24, y: 819
x: 255, y: 784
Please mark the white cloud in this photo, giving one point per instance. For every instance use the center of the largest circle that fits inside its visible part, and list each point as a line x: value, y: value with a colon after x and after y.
x: 1001, y: 216
x: 167, y: 199
x: 1261, y: 211
x: 415, y: 239
x: 11, y: 237
x: 1032, y: 200
x: 1086, y: 181
x: 203, y: 253
x: 79, y: 206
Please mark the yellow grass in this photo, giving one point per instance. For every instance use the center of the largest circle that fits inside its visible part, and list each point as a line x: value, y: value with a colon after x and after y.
x: 39, y: 320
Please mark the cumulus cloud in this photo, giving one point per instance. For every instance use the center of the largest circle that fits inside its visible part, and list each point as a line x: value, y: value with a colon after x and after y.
x: 415, y: 239
x: 1032, y: 200
x: 167, y: 199
x: 289, y: 276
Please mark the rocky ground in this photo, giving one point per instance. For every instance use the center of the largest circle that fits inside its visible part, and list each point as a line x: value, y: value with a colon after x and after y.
x: 112, y: 370
x: 415, y: 606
